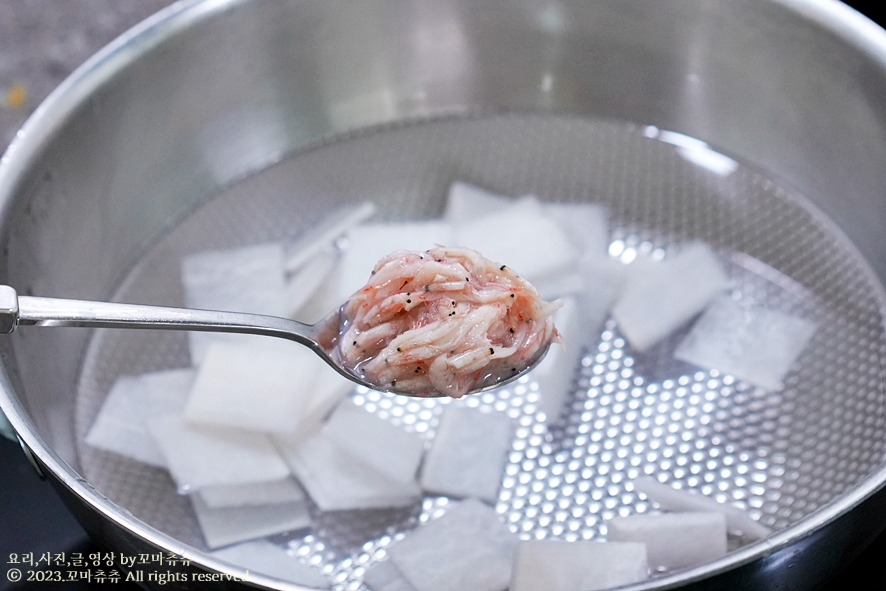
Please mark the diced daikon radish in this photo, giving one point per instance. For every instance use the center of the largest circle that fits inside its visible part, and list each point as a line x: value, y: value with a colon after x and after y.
x: 121, y: 425
x: 267, y: 558
x: 263, y: 387
x: 465, y: 202
x: 328, y: 390
x: 556, y: 565
x: 336, y: 480
x: 248, y: 279
x: 595, y: 284
x: 673, y: 540
x: 385, y: 576
x: 467, y: 548
x: 568, y: 283
x: 325, y: 298
x: 252, y: 493
x: 374, y: 441
x: 749, y: 342
x: 520, y: 236
x: 330, y: 387
x: 308, y: 279
x: 320, y: 237
x: 669, y: 498
x: 205, y: 455
x: 604, y: 279
x: 468, y: 454
x: 369, y: 243
x: 230, y: 525
x: 659, y: 297
x: 556, y: 372
x: 586, y: 224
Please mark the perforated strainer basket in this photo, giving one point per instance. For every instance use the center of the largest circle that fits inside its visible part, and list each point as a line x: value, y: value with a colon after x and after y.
x: 221, y: 124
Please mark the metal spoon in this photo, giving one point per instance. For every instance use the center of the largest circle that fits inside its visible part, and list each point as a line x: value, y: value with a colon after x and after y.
x: 322, y: 337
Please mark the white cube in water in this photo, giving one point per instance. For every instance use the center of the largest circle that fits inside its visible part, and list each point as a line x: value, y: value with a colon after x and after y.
x: 307, y: 280
x: 586, y: 224
x: 752, y: 343
x: 330, y: 387
x: 247, y: 279
x: 374, y: 441
x: 468, y: 454
x: 369, y: 243
x: 521, y: 236
x: 121, y: 424
x: 669, y: 498
x: 556, y: 372
x: 467, y: 548
x: 319, y: 237
x: 673, y: 540
x: 263, y: 386
x: 267, y: 558
x: 556, y: 565
x: 465, y: 202
x: 271, y: 492
x: 385, y: 576
x: 230, y: 525
x: 337, y: 481
x: 603, y: 279
x: 206, y: 455
x: 659, y: 297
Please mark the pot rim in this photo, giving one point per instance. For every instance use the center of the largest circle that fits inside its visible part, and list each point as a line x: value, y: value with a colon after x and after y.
x: 832, y: 16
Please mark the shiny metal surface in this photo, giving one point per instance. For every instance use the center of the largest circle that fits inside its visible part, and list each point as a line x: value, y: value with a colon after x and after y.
x: 209, y: 92
x: 320, y: 337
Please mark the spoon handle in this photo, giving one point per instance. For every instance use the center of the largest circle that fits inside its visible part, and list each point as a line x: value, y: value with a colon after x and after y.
x: 39, y: 311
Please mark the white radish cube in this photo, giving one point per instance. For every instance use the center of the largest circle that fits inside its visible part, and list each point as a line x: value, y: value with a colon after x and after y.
x: 468, y: 454
x: 660, y: 297
x: 121, y: 424
x: 669, y: 498
x: 604, y: 279
x: 230, y: 525
x: 248, y: 279
x: 385, y: 576
x: 673, y: 540
x: 321, y: 236
x: 522, y: 237
x: 749, y: 342
x: 567, y: 283
x: 586, y: 224
x: 252, y: 493
x: 305, y: 283
x: 374, y: 441
x: 467, y: 548
x: 325, y: 298
x: 556, y: 372
x: 263, y: 387
x: 204, y: 455
x: 369, y: 243
x: 266, y: 558
x: 466, y: 202
x: 555, y: 565
x: 330, y: 387
x: 337, y: 481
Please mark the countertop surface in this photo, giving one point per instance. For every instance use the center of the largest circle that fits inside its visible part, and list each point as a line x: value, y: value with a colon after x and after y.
x: 41, y: 42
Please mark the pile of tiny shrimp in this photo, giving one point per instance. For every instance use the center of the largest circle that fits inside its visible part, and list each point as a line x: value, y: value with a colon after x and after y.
x: 444, y: 321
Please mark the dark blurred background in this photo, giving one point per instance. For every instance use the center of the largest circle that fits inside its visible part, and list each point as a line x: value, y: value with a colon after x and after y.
x: 41, y: 42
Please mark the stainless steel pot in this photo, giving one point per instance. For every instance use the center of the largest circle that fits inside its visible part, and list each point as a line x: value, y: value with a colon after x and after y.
x: 206, y: 93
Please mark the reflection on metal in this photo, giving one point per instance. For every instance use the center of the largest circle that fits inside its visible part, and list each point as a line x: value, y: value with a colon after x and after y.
x: 694, y: 151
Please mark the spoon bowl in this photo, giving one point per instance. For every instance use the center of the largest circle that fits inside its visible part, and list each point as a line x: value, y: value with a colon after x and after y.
x: 322, y: 337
